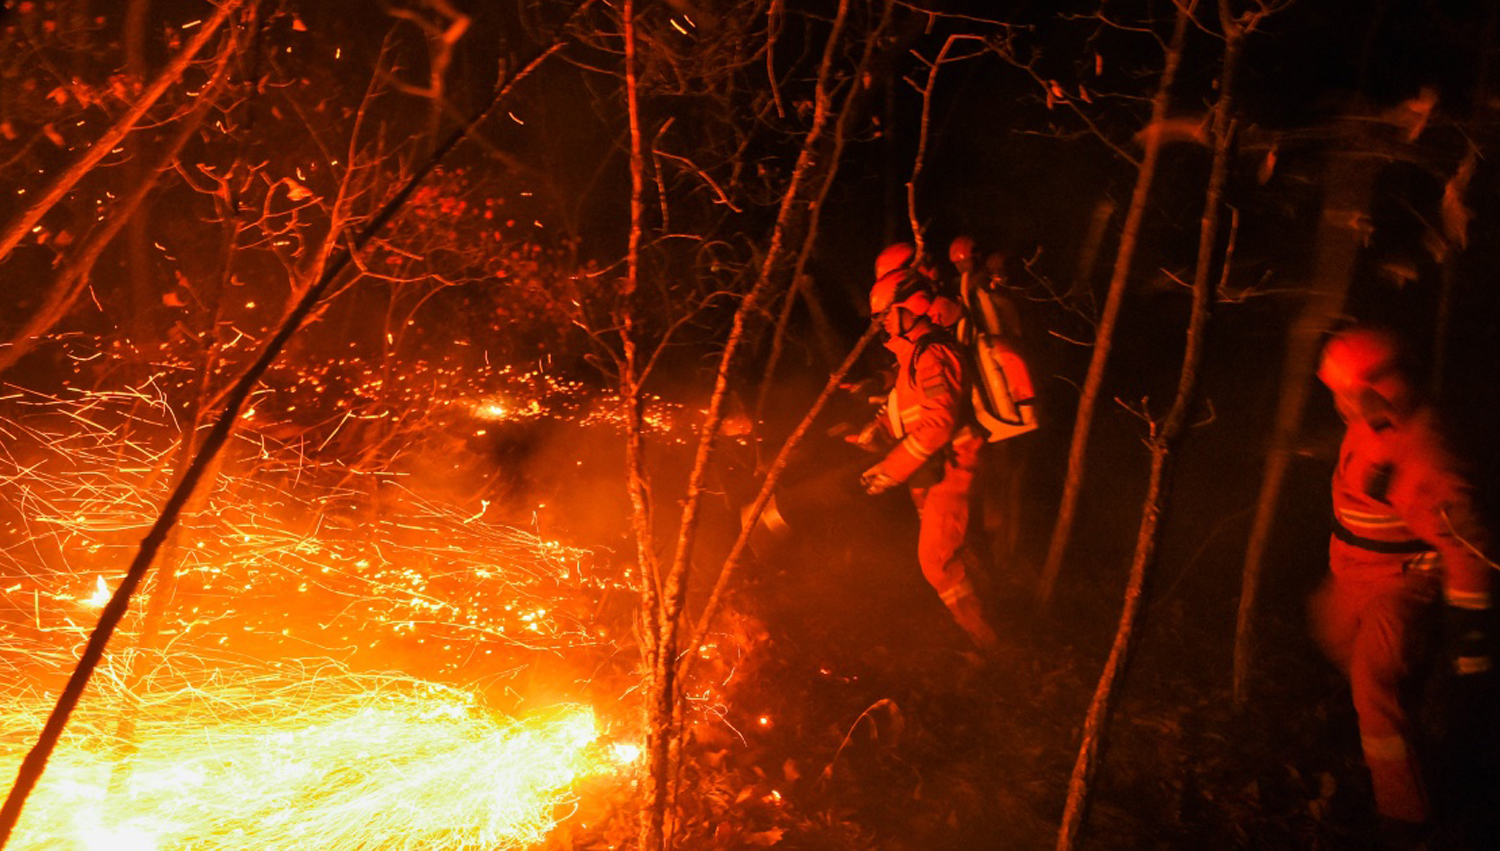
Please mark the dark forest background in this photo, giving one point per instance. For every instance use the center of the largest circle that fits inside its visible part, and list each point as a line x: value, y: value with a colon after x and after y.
x: 588, y: 318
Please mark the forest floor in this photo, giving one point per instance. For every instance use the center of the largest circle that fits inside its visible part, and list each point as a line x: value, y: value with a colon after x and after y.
x: 898, y: 728
x: 878, y: 726
x: 859, y: 717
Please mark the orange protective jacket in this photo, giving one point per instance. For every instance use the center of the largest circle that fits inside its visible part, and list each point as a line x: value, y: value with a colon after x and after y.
x: 1400, y: 500
x: 928, y: 409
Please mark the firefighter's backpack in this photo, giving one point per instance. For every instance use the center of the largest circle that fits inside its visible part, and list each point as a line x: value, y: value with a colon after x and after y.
x: 1003, y: 397
x: 1001, y: 393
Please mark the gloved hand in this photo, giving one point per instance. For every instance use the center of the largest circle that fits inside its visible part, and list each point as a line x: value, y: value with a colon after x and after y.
x: 867, y: 437
x: 875, y: 481
x: 1466, y: 640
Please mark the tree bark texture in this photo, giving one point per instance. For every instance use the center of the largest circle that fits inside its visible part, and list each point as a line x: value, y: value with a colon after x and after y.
x: 1162, y: 444
x: 666, y: 619
x: 660, y: 697
x: 1103, y: 337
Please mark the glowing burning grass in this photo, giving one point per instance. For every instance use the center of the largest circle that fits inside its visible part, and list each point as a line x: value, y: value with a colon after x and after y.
x: 539, y: 395
x: 287, y: 555
x: 296, y: 552
x: 347, y: 523
x: 332, y: 762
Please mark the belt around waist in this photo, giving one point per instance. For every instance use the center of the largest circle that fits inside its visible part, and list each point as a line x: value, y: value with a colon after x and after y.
x: 1408, y: 547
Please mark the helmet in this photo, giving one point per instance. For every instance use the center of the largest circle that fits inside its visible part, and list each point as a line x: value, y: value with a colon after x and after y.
x: 895, y: 257
x: 1365, y: 366
x: 961, y: 251
x: 899, y: 288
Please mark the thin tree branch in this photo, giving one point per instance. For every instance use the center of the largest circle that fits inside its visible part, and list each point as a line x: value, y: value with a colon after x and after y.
x: 35, y: 762
x: 69, y: 177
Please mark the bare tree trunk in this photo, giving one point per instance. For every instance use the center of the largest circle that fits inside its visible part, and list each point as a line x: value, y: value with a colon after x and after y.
x: 1104, y: 210
x: 442, y: 26
x: 889, y: 152
x: 65, y: 181
x: 1162, y: 443
x: 660, y: 695
x: 1342, y: 231
x: 917, y: 236
x: 664, y: 689
x: 1104, y: 334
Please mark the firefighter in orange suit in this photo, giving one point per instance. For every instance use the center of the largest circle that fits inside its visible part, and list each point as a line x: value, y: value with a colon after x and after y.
x: 1405, y: 537
x: 936, y: 453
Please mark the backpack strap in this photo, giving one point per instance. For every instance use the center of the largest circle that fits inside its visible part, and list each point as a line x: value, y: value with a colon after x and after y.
x: 931, y: 338
x: 965, y: 368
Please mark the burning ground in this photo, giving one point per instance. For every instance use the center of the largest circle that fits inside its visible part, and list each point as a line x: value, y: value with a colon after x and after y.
x: 330, y: 655
x: 423, y: 639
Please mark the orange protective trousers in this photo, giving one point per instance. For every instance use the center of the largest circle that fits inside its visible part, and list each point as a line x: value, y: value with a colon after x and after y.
x: 943, y: 511
x: 1370, y: 626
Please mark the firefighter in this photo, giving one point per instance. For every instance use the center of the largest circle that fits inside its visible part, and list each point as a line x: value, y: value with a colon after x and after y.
x: 936, y: 453
x: 1407, y: 553
x: 899, y: 265
x: 980, y: 278
x: 989, y: 311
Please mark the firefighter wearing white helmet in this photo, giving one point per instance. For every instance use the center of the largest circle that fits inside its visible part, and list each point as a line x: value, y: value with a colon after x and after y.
x: 1404, y: 533
x: 936, y: 453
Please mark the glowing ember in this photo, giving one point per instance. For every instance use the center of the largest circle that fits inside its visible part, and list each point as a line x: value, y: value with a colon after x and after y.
x: 100, y: 595
x: 355, y: 524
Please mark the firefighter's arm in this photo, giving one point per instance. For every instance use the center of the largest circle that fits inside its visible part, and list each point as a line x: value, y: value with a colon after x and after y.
x: 939, y: 381
x: 1443, y: 514
x: 1468, y: 615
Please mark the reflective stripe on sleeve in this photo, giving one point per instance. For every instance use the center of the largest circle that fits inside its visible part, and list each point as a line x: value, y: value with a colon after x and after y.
x: 1473, y: 600
x: 916, y: 449
x: 1384, y: 747
x: 937, y: 387
x: 1411, y: 545
x: 957, y: 591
